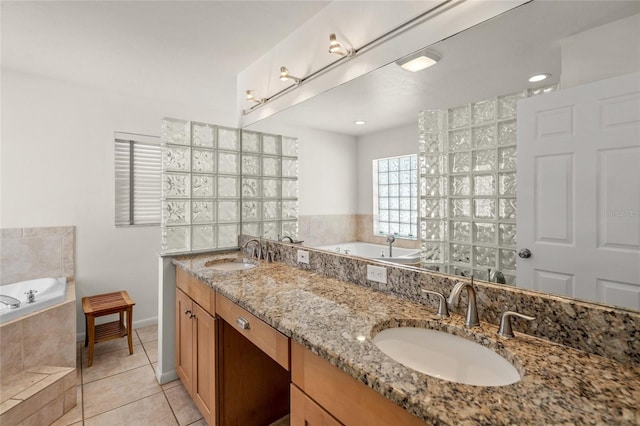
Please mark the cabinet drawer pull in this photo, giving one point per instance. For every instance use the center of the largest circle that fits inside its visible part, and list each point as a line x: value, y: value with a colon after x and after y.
x: 187, y: 312
x: 242, y: 323
x: 192, y: 316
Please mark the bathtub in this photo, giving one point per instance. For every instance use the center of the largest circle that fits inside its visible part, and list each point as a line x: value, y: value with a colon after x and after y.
x: 50, y: 291
x: 375, y: 251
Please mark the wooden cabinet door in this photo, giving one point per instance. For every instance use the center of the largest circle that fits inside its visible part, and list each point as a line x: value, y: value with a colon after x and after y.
x: 305, y: 412
x: 184, y: 340
x: 205, y: 349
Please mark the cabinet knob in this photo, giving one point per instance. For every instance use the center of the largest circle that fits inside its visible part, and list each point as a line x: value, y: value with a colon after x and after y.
x: 242, y: 323
x: 192, y: 316
x: 187, y: 311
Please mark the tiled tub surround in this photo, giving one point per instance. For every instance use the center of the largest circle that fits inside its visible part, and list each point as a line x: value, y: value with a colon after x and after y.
x: 559, y: 384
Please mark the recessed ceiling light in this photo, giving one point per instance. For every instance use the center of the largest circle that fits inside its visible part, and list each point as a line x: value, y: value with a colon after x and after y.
x: 539, y: 77
x: 418, y: 61
x: 359, y: 122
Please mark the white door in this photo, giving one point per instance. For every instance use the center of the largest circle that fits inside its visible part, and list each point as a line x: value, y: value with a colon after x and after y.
x: 579, y: 192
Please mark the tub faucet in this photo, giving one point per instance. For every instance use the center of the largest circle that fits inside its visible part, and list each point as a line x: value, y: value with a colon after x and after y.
x: 390, y: 239
x: 257, y: 251
x: 471, y: 319
x: 31, y: 295
x: 9, y: 301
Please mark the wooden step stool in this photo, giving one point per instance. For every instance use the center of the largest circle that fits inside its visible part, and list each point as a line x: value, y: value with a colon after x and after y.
x: 107, y: 304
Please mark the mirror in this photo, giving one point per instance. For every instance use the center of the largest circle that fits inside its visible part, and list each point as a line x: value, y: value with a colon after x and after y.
x: 575, y: 42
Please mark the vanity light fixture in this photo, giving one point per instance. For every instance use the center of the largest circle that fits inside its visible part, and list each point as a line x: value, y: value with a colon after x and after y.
x: 252, y: 98
x: 284, y: 76
x: 336, y: 47
x: 539, y: 77
x: 419, y: 61
x: 359, y: 122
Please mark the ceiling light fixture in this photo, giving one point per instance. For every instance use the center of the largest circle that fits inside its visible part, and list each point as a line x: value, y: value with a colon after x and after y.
x: 252, y: 98
x: 284, y: 76
x: 359, y: 122
x: 336, y: 47
x: 418, y: 61
x: 539, y: 77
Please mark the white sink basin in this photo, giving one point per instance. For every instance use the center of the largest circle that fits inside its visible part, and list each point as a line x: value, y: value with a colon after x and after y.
x: 446, y: 356
x: 230, y: 265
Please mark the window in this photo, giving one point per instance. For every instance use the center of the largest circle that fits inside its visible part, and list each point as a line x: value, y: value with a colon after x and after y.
x: 395, y: 201
x: 137, y: 179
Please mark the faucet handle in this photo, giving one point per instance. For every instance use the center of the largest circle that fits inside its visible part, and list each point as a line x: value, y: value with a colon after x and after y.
x: 505, y: 323
x: 443, y: 309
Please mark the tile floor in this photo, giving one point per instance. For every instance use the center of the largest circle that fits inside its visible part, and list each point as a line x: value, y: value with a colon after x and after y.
x: 121, y: 389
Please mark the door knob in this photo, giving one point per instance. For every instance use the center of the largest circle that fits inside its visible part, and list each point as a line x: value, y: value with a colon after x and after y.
x: 524, y: 253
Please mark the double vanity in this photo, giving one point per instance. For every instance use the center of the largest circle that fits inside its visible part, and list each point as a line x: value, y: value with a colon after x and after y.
x: 257, y: 340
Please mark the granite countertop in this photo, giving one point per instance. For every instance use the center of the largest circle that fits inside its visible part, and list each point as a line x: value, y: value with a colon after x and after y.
x: 560, y: 385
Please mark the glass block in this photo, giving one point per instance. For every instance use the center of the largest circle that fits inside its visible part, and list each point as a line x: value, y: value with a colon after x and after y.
x: 484, y: 256
x: 405, y: 216
x: 405, y: 163
x: 460, y: 231
x: 484, y: 137
x: 431, y: 142
x: 507, y: 260
x: 203, y: 237
x: 383, y: 178
x: 271, y: 230
x: 432, y: 208
x: 394, y: 190
x: 460, y: 185
x: 507, y: 234
x: 270, y: 166
x: 384, y: 227
x: 406, y: 229
x: 175, y: 185
x: 203, y: 160
x: 484, y: 161
x: 203, y: 186
x: 484, y: 233
x: 228, y: 139
x: 430, y: 121
x: 432, y: 187
x: 228, y: 211
x: 459, y: 117
x: 507, y: 133
x: 289, y: 167
x: 290, y: 228
x: 176, y: 131
x: 432, y: 253
x: 481, y: 274
x: 228, y: 163
x: 460, y: 140
x: 228, y: 186
x: 175, y: 212
x: 383, y: 202
x: 383, y: 190
x: 394, y: 177
x: 250, y: 210
x: 203, y: 212
x: 405, y: 177
x: 271, y: 210
x: 507, y: 158
x: 394, y: 203
x: 460, y: 253
x: 289, y: 210
x: 484, y: 111
x: 459, y: 271
x: 176, y: 239
x: 460, y: 162
x: 394, y: 216
x: 413, y: 190
x: 383, y: 166
x: 251, y: 165
x: 289, y: 188
x: 507, y: 182
x: 227, y: 235
x: 484, y: 208
x: 432, y: 230
x: 508, y: 208
x: 405, y: 203
x: 507, y: 105
x: 251, y: 187
x: 289, y: 147
x: 510, y: 279
x: 484, y: 185
x: 394, y: 164
x: 176, y: 158
x: 252, y: 229
x: 429, y: 164
x: 203, y: 135
x: 250, y: 142
x: 460, y: 207
x: 271, y: 144
x: 271, y: 188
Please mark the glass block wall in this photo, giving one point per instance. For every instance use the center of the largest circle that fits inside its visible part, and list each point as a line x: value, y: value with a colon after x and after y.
x: 202, y: 185
x: 468, y: 187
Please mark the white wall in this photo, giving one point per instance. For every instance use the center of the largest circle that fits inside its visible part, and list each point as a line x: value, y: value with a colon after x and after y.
x: 57, y: 169
x: 389, y: 143
x: 603, y: 52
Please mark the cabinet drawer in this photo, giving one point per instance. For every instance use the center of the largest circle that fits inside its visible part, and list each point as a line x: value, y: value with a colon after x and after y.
x: 202, y: 294
x: 305, y: 412
x: 261, y: 334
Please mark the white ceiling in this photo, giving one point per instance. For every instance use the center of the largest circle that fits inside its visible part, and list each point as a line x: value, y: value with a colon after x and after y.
x: 182, y: 51
x: 494, y: 58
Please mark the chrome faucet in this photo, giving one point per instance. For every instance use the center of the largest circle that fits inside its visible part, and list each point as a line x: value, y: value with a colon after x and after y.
x: 31, y: 295
x: 471, y: 319
x: 286, y: 237
x: 9, y: 301
x: 390, y: 239
x: 255, y: 252
x: 496, y: 276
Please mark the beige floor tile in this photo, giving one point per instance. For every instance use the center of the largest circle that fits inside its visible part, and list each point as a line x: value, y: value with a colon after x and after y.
x: 152, y: 410
x: 110, y: 346
x: 171, y: 384
x: 151, y: 348
x: 182, y: 405
x: 74, y: 415
x: 115, y: 391
x: 148, y: 334
x: 108, y: 364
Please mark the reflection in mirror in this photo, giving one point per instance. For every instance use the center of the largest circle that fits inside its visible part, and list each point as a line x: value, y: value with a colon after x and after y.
x: 507, y: 165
